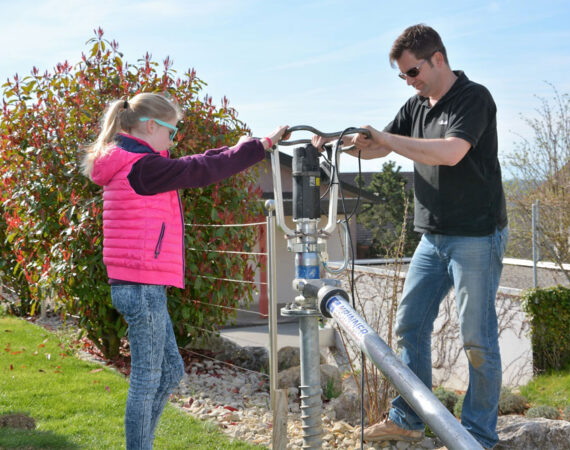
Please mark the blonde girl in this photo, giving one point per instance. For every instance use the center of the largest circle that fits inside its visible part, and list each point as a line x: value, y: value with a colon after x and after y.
x: 143, y: 229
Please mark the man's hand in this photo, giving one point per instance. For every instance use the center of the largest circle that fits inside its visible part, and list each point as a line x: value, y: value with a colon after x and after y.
x: 319, y: 141
x: 369, y: 147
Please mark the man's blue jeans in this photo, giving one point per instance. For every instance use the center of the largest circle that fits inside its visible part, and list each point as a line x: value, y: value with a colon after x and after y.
x: 156, y: 364
x: 472, y: 265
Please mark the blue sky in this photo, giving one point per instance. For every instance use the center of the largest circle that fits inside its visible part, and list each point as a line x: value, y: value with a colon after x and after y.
x: 322, y: 63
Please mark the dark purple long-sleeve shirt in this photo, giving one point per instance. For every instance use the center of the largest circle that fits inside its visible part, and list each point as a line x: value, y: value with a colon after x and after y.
x: 154, y: 174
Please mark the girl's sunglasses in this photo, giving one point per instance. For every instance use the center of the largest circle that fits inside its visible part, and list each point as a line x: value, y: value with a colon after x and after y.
x: 164, y: 124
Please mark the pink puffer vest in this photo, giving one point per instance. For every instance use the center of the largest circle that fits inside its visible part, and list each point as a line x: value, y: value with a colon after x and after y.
x: 143, y: 236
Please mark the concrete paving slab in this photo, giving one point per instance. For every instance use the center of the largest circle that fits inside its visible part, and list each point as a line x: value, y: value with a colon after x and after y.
x: 251, y: 329
x: 258, y: 336
x: 287, y: 335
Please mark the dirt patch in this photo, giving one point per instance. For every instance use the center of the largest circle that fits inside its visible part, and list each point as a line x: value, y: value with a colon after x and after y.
x: 20, y: 421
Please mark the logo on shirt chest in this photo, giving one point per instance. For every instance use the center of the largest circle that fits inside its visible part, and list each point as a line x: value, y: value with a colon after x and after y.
x: 442, y: 122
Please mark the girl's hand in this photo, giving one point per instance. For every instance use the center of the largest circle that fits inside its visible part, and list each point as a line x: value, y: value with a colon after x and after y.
x: 275, y: 136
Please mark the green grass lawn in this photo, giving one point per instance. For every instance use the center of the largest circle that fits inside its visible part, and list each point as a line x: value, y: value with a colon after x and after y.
x: 78, y: 404
x: 551, y: 389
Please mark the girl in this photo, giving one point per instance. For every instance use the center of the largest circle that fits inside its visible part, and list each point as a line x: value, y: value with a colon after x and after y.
x: 143, y: 229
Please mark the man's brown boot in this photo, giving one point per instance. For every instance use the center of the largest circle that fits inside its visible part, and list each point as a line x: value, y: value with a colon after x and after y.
x: 389, y: 431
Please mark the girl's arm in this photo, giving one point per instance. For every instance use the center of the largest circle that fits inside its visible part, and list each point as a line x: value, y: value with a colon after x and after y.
x: 154, y: 174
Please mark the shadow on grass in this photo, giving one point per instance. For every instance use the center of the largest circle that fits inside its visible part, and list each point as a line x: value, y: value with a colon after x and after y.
x: 28, y: 439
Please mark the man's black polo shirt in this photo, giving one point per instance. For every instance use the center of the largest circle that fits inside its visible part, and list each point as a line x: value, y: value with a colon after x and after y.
x: 466, y: 199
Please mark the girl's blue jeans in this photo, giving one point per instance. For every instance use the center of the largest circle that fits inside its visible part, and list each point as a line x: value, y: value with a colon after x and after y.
x: 156, y: 364
x: 472, y: 265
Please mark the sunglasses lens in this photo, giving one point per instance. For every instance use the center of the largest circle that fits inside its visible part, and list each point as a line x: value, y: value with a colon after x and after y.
x: 413, y: 73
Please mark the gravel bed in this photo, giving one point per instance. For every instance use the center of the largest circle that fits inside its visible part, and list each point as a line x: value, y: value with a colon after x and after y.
x: 238, y: 402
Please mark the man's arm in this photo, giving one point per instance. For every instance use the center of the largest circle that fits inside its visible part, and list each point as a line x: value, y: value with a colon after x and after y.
x: 434, y: 152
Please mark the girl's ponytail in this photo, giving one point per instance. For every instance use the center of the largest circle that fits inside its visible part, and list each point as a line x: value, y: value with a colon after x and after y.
x: 110, y: 127
x: 124, y: 115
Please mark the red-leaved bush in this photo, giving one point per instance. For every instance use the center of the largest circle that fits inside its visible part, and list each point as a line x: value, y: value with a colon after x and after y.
x: 51, y: 224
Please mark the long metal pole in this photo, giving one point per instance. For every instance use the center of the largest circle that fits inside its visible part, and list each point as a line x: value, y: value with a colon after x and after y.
x: 272, y: 293
x: 310, y: 387
x: 534, y: 245
x: 308, y: 313
x: 410, y: 387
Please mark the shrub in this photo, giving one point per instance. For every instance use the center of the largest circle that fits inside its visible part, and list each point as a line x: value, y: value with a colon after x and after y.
x: 549, y: 311
x: 548, y: 412
x: 458, y: 406
x: 447, y: 398
x: 51, y: 233
x: 332, y: 389
x: 511, y: 403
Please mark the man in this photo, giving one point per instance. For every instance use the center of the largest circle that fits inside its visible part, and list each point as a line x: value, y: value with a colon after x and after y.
x: 449, y: 130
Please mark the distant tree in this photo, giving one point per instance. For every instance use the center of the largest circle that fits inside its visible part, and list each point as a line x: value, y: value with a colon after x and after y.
x: 541, y: 169
x: 387, y: 220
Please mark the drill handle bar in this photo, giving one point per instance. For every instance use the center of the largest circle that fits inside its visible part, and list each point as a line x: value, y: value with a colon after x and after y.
x: 333, y: 198
x: 348, y: 131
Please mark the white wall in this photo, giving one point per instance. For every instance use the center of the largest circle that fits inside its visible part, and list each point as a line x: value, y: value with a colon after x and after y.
x: 514, y: 343
x: 374, y: 293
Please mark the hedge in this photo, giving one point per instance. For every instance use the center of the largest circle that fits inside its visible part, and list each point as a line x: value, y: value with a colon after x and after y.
x: 549, y: 311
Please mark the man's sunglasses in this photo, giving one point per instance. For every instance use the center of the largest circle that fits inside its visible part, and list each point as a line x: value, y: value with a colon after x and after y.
x: 413, y: 72
x: 164, y: 124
